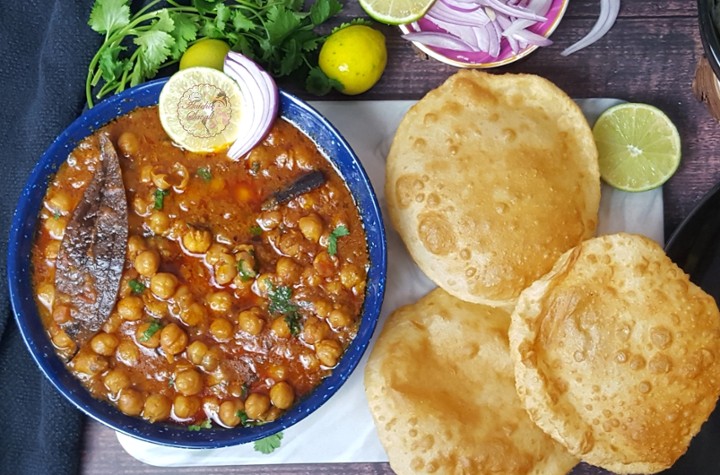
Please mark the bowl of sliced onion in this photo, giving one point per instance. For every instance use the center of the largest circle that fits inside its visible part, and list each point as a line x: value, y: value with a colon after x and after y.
x: 485, y: 33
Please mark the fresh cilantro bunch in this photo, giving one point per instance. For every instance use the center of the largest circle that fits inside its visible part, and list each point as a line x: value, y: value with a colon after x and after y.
x: 278, y: 34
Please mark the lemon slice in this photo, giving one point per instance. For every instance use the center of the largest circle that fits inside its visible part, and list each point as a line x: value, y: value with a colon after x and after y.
x: 200, y: 109
x: 638, y: 146
x: 396, y: 12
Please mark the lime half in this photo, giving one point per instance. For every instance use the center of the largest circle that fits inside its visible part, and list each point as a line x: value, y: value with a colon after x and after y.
x: 638, y: 146
x: 200, y: 109
x: 396, y: 12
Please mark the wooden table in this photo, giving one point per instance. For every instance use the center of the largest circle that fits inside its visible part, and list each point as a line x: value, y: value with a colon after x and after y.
x: 649, y: 56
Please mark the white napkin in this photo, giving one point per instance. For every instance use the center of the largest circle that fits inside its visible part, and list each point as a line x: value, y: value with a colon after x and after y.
x: 342, y: 430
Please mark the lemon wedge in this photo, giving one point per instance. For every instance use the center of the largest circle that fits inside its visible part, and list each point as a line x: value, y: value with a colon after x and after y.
x: 638, y: 146
x: 201, y: 109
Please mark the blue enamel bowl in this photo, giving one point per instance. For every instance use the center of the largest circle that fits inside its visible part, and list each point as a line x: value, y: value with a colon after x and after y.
x: 22, y: 233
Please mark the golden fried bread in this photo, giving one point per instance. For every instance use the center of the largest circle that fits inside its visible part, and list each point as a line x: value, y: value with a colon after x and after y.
x: 617, y: 354
x: 440, y: 386
x: 490, y: 178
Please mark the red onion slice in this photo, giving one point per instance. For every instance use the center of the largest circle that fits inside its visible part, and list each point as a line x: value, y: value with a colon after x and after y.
x: 439, y: 40
x: 259, y: 102
x: 609, y: 10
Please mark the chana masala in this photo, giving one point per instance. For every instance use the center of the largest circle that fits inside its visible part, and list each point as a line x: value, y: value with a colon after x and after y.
x: 207, y: 288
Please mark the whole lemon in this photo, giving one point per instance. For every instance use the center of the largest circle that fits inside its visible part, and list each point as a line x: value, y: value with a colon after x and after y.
x: 355, y: 56
x: 208, y: 52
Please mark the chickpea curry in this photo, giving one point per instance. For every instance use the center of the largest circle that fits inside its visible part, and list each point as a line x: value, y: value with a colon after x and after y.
x: 206, y: 288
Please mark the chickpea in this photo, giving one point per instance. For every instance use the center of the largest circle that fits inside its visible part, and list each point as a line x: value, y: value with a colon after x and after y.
x: 311, y: 278
x: 142, y: 206
x: 51, y: 251
x: 147, y: 334
x: 289, y: 242
x: 287, y: 270
x: 282, y: 395
x: 211, y: 404
x: 130, y: 402
x: 225, y: 273
x: 127, y: 353
x: 340, y: 318
x: 46, y: 294
x: 263, y: 284
x: 155, y: 307
x: 220, y: 302
x: 61, y: 313
x: 147, y: 263
x: 156, y: 408
x: 160, y: 180
x: 236, y: 388
x: 128, y: 143
x: 211, y: 359
x: 228, y: 412
x: 280, y: 328
x: 219, y: 376
x: 251, y: 321
x: 104, y: 344
x: 173, y: 339
x: 328, y: 352
x: 186, y: 407
x: 256, y: 405
x: 216, y: 253
x: 196, y: 351
x: 197, y: 241
x: 56, y: 226
x: 63, y: 342
x: 60, y: 202
x: 183, y: 298
x: 221, y: 329
x: 322, y: 308
x: 194, y: 315
x: 270, y: 220
x: 89, y: 363
x: 163, y: 285
x: 136, y: 244
x: 324, y: 264
x: 158, y: 222
x: 350, y: 275
x: 272, y: 414
x: 217, y: 183
x: 130, y: 308
x: 188, y: 382
x: 116, y: 380
x: 311, y: 227
x: 315, y: 330
x: 309, y: 360
x: 278, y: 372
x: 112, y: 324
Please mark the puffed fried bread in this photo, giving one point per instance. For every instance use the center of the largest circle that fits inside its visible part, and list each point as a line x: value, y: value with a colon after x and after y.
x: 441, y: 390
x: 490, y: 178
x: 617, y: 354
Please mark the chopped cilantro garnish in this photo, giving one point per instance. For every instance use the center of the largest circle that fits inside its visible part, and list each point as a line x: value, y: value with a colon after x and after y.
x: 206, y: 424
x: 244, y: 391
x: 280, y: 303
x: 244, y: 419
x: 160, y: 198
x: 136, y: 286
x: 256, y: 230
x: 171, y: 381
x: 204, y: 173
x: 245, y: 271
x: 57, y: 215
x: 154, y: 327
x: 254, y: 167
x: 340, y: 231
x: 268, y: 444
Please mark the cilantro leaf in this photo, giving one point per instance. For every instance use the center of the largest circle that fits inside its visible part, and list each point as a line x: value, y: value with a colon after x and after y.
x: 291, y: 59
x: 204, y: 173
x: 111, y: 66
x: 159, y: 196
x: 245, y: 270
x: 185, y: 31
x: 206, y: 424
x: 244, y: 419
x: 155, y: 326
x: 107, y: 16
x: 222, y: 15
x: 256, y: 230
x: 164, y: 22
x: 322, y: 10
x: 340, y: 231
x: 281, y: 22
x: 319, y: 84
x: 154, y: 46
x: 241, y: 22
x: 136, y: 286
x: 280, y: 303
x: 268, y: 444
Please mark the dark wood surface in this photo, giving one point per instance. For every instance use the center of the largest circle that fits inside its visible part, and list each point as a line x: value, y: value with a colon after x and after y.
x: 649, y: 56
